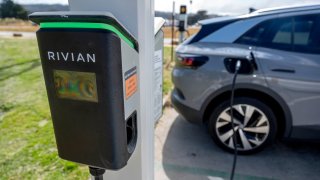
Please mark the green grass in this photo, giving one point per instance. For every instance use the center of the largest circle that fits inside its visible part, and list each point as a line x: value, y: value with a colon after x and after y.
x: 27, y: 144
x: 168, y: 66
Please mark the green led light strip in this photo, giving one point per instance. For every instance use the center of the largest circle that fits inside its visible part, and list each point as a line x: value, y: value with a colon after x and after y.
x: 87, y: 26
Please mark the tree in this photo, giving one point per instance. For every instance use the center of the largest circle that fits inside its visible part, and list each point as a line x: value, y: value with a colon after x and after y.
x: 8, y: 9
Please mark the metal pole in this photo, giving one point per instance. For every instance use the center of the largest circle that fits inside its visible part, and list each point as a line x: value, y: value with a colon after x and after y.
x: 181, y: 37
x: 97, y: 173
x: 138, y: 17
x: 172, y: 32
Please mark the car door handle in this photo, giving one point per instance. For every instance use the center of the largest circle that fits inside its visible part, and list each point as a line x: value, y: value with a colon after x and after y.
x: 283, y: 70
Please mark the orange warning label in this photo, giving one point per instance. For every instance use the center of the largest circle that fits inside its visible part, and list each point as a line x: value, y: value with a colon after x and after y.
x: 131, y: 83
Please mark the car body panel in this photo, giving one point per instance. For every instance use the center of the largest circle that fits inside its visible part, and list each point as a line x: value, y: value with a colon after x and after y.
x: 201, y: 78
x: 296, y: 78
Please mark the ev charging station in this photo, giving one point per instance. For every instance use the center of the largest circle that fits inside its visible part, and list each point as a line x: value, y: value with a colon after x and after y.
x: 98, y: 62
x: 158, y: 68
x: 183, y: 22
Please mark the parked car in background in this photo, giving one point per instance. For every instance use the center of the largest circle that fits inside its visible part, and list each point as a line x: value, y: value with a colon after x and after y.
x: 281, y: 99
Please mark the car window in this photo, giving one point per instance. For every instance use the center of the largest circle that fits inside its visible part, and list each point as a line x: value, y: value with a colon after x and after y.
x: 306, y: 34
x: 208, y: 29
x: 298, y: 34
x: 283, y: 33
x: 275, y: 33
x: 252, y: 36
x: 302, y: 30
x: 279, y: 34
x: 229, y: 33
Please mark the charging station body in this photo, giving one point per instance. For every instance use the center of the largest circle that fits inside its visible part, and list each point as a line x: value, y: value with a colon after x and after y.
x: 91, y: 70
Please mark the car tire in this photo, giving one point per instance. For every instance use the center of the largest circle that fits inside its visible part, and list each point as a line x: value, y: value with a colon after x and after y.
x: 255, y: 125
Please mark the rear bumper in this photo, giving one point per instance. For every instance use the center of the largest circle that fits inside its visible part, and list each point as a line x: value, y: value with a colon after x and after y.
x: 191, y: 115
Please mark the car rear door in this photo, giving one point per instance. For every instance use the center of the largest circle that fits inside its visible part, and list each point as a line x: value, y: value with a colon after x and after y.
x: 289, y: 55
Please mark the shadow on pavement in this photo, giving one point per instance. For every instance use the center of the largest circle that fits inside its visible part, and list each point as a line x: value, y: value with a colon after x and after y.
x: 190, y: 154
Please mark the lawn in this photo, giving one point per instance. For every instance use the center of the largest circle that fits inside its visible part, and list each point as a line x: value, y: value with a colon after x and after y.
x: 168, y: 66
x: 27, y: 144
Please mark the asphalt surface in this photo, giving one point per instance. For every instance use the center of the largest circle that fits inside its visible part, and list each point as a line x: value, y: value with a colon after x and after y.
x: 185, y: 151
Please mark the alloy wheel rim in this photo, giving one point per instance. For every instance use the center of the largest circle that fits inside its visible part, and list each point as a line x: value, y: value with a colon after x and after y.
x: 251, y: 126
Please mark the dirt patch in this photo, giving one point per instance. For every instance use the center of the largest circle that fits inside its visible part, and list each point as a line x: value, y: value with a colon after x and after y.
x: 11, y: 24
x: 19, y: 28
x: 167, y: 31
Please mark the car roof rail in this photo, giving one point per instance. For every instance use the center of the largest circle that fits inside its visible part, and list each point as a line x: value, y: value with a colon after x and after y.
x: 286, y: 9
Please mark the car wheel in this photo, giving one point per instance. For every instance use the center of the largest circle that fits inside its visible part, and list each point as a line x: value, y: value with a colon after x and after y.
x: 255, y: 125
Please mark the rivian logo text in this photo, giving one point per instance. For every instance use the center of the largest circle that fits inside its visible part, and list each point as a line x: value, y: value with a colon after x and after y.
x: 73, y: 57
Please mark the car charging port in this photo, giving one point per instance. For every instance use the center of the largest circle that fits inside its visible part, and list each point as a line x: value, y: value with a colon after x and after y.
x: 131, y: 129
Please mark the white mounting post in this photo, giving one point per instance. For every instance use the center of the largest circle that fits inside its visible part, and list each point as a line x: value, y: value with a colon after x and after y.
x: 138, y: 17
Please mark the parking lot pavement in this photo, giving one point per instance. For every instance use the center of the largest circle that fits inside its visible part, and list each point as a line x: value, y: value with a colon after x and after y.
x: 185, y: 151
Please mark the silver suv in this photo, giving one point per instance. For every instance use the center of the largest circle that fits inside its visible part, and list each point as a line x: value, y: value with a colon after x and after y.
x: 280, y: 99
